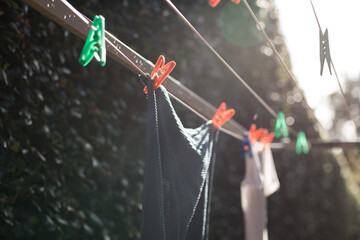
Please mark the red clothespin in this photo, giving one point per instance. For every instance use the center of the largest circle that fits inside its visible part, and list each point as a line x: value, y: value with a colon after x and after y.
x: 165, y: 70
x: 214, y: 3
x: 255, y: 134
x: 266, y: 138
x: 222, y: 115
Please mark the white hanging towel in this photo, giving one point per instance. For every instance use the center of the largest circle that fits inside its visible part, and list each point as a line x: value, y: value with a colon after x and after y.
x: 271, y: 181
x: 260, y: 181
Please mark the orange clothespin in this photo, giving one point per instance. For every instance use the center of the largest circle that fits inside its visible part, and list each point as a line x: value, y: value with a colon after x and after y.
x: 214, y: 3
x: 266, y: 138
x: 165, y: 70
x: 222, y: 115
x: 255, y: 134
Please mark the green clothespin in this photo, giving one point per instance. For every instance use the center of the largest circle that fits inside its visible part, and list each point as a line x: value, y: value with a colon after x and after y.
x: 96, y: 37
x: 280, y: 126
x: 302, y: 145
x: 324, y: 51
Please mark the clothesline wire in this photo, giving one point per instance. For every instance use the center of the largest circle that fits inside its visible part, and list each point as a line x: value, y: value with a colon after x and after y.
x: 256, y: 95
x: 342, y: 92
x: 127, y: 59
x: 124, y: 56
x: 316, y: 17
x: 237, y: 136
x: 271, y: 111
x: 233, y: 134
x: 261, y: 101
x: 76, y: 25
x: 288, y: 71
x: 333, y: 66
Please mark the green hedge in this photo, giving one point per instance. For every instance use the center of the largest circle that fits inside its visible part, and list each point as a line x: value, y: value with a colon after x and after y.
x: 72, y: 142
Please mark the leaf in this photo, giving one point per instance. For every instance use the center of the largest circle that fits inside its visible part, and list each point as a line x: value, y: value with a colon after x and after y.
x: 4, y: 77
x: 62, y: 221
x: 33, y: 220
x: 15, y: 147
x: 15, y: 5
x: 6, y: 66
x: 88, y: 229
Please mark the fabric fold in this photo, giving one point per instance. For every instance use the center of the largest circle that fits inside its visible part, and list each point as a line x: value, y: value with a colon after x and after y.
x: 260, y: 181
x: 178, y: 173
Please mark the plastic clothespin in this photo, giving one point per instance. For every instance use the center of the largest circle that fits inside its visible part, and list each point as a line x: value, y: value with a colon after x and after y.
x: 266, y: 138
x: 255, y: 134
x: 222, y: 116
x: 214, y: 3
x: 280, y: 126
x: 245, y: 145
x: 302, y: 145
x: 324, y: 51
x: 95, y: 37
x: 165, y: 70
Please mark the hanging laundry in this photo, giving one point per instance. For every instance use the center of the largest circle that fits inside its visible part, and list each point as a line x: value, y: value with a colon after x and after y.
x: 178, y: 173
x: 260, y: 181
x: 271, y: 181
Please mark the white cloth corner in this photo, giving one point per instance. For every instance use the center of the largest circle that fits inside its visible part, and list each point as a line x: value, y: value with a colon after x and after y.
x: 260, y: 181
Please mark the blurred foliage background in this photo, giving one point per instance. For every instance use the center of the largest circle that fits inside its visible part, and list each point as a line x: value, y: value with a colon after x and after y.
x: 72, y: 143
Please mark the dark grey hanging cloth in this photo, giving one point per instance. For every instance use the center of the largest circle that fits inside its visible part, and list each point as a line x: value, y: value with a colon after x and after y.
x: 178, y: 173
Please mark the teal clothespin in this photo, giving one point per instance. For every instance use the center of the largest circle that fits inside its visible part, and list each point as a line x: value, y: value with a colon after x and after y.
x: 324, y: 51
x: 302, y: 145
x: 96, y: 37
x: 280, y: 126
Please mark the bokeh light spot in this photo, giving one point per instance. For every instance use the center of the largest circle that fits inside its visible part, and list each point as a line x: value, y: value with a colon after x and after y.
x: 238, y: 27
